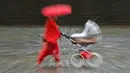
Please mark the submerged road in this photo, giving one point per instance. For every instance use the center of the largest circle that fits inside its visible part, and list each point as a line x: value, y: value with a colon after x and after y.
x: 19, y: 47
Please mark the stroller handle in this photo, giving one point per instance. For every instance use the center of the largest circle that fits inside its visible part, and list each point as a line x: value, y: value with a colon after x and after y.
x: 68, y: 37
x: 71, y: 39
x: 65, y: 35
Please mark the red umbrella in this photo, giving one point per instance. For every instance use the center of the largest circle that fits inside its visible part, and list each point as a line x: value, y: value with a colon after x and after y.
x: 56, y: 10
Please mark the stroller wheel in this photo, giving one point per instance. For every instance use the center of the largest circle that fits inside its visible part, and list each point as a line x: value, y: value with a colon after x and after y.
x: 77, y: 60
x: 95, y: 61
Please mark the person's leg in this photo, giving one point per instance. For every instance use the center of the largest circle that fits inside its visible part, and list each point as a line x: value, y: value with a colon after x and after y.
x: 56, y: 54
x: 43, y: 53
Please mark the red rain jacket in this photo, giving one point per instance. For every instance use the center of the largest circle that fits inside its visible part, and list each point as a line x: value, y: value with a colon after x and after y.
x: 51, y: 35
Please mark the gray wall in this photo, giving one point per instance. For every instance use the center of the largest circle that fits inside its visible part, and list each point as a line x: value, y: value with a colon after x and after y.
x: 104, y: 11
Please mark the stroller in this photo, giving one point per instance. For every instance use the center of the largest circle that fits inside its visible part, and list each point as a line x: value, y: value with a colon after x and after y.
x: 84, y: 57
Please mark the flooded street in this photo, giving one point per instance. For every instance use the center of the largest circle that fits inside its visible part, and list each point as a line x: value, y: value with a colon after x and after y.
x: 19, y: 47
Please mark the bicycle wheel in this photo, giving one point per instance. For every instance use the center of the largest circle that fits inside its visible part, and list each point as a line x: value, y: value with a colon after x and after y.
x: 95, y: 61
x: 77, y: 60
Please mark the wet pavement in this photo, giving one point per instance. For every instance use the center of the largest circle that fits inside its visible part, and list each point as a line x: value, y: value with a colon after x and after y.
x: 19, y: 47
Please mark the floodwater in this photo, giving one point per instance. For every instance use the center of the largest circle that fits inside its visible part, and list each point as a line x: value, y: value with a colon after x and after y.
x: 19, y: 47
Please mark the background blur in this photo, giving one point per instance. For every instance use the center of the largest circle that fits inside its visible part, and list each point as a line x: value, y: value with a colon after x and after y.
x: 104, y: 11
x: 19, y: 46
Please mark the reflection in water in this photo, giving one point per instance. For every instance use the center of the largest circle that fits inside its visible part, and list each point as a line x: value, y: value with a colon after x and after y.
x: 47, y: 70
x: 65, y: 70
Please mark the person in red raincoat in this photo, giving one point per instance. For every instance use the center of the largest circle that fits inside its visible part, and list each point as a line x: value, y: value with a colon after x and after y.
x: 50, y: 42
